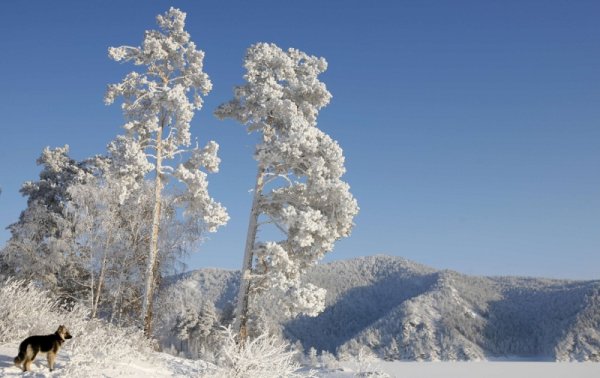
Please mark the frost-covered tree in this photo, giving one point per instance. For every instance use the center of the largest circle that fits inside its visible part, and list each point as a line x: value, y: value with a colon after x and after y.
x: 41, y: 247
x: 110, y: 213
x: 102, y: 224
x: 198, y: 331
x: 158, y: 105
x: 298, y: 187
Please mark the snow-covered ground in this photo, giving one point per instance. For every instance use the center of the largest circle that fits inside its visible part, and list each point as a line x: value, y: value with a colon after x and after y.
x: 160, y: 365
x: 164, y: 365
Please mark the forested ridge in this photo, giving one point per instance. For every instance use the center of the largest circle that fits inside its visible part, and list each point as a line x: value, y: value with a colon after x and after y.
x: 399, y: 309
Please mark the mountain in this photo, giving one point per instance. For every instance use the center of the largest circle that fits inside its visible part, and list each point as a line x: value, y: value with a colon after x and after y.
x: 401, y: 310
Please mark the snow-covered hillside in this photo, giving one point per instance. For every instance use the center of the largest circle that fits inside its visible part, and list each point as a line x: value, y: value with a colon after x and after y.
x: 401, y: 310
x: 99, y: 349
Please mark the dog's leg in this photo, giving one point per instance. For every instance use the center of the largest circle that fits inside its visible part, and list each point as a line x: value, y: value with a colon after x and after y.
x: 51, y: 359
x: 30, y: 354
x: 27, y: 363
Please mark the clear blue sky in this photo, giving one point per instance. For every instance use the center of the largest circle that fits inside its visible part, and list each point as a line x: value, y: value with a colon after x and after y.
x: 471, y: 129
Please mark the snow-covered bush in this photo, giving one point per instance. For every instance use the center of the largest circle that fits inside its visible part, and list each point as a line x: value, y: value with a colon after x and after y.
x: 328, y: 360
x: 26, y: 310
x: 264, y: 356
x: 99, y: 344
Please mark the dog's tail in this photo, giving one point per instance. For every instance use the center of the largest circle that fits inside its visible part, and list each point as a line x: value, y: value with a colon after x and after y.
x: 19, y: 358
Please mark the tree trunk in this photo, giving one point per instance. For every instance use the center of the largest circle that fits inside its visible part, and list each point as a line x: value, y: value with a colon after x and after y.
x: 244, y: 293
x: 102, y: 274
x: 96, y: 299
x: 114, y: 304
x: 92, y: 295
x: 153, y: 252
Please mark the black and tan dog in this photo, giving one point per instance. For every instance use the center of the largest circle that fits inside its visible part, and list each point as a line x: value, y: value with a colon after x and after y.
x: 49, y: 344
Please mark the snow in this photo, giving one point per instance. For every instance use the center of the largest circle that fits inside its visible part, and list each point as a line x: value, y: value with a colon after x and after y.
x: 158, y: 365
x: 164, y: 365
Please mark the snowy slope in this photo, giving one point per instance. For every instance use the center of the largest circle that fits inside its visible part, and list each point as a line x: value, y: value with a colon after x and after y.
x: 403, y: 310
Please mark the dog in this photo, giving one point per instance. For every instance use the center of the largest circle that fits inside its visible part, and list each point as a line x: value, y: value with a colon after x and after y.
x: 49, y: 344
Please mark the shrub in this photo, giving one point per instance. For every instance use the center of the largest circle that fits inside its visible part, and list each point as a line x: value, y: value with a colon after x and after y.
x: 27, y: 310
x: 264, y: 356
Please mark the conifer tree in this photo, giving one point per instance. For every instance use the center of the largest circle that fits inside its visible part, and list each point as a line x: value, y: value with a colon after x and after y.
x: 298, y: 187
x: 41, y: 245
x: 158, y: 105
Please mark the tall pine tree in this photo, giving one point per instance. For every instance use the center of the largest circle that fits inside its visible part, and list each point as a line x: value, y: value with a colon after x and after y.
x: 159, y: 104
x: 298, y: 187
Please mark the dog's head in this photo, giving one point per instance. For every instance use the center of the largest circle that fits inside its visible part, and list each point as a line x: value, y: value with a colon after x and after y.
x: 63, y: 332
